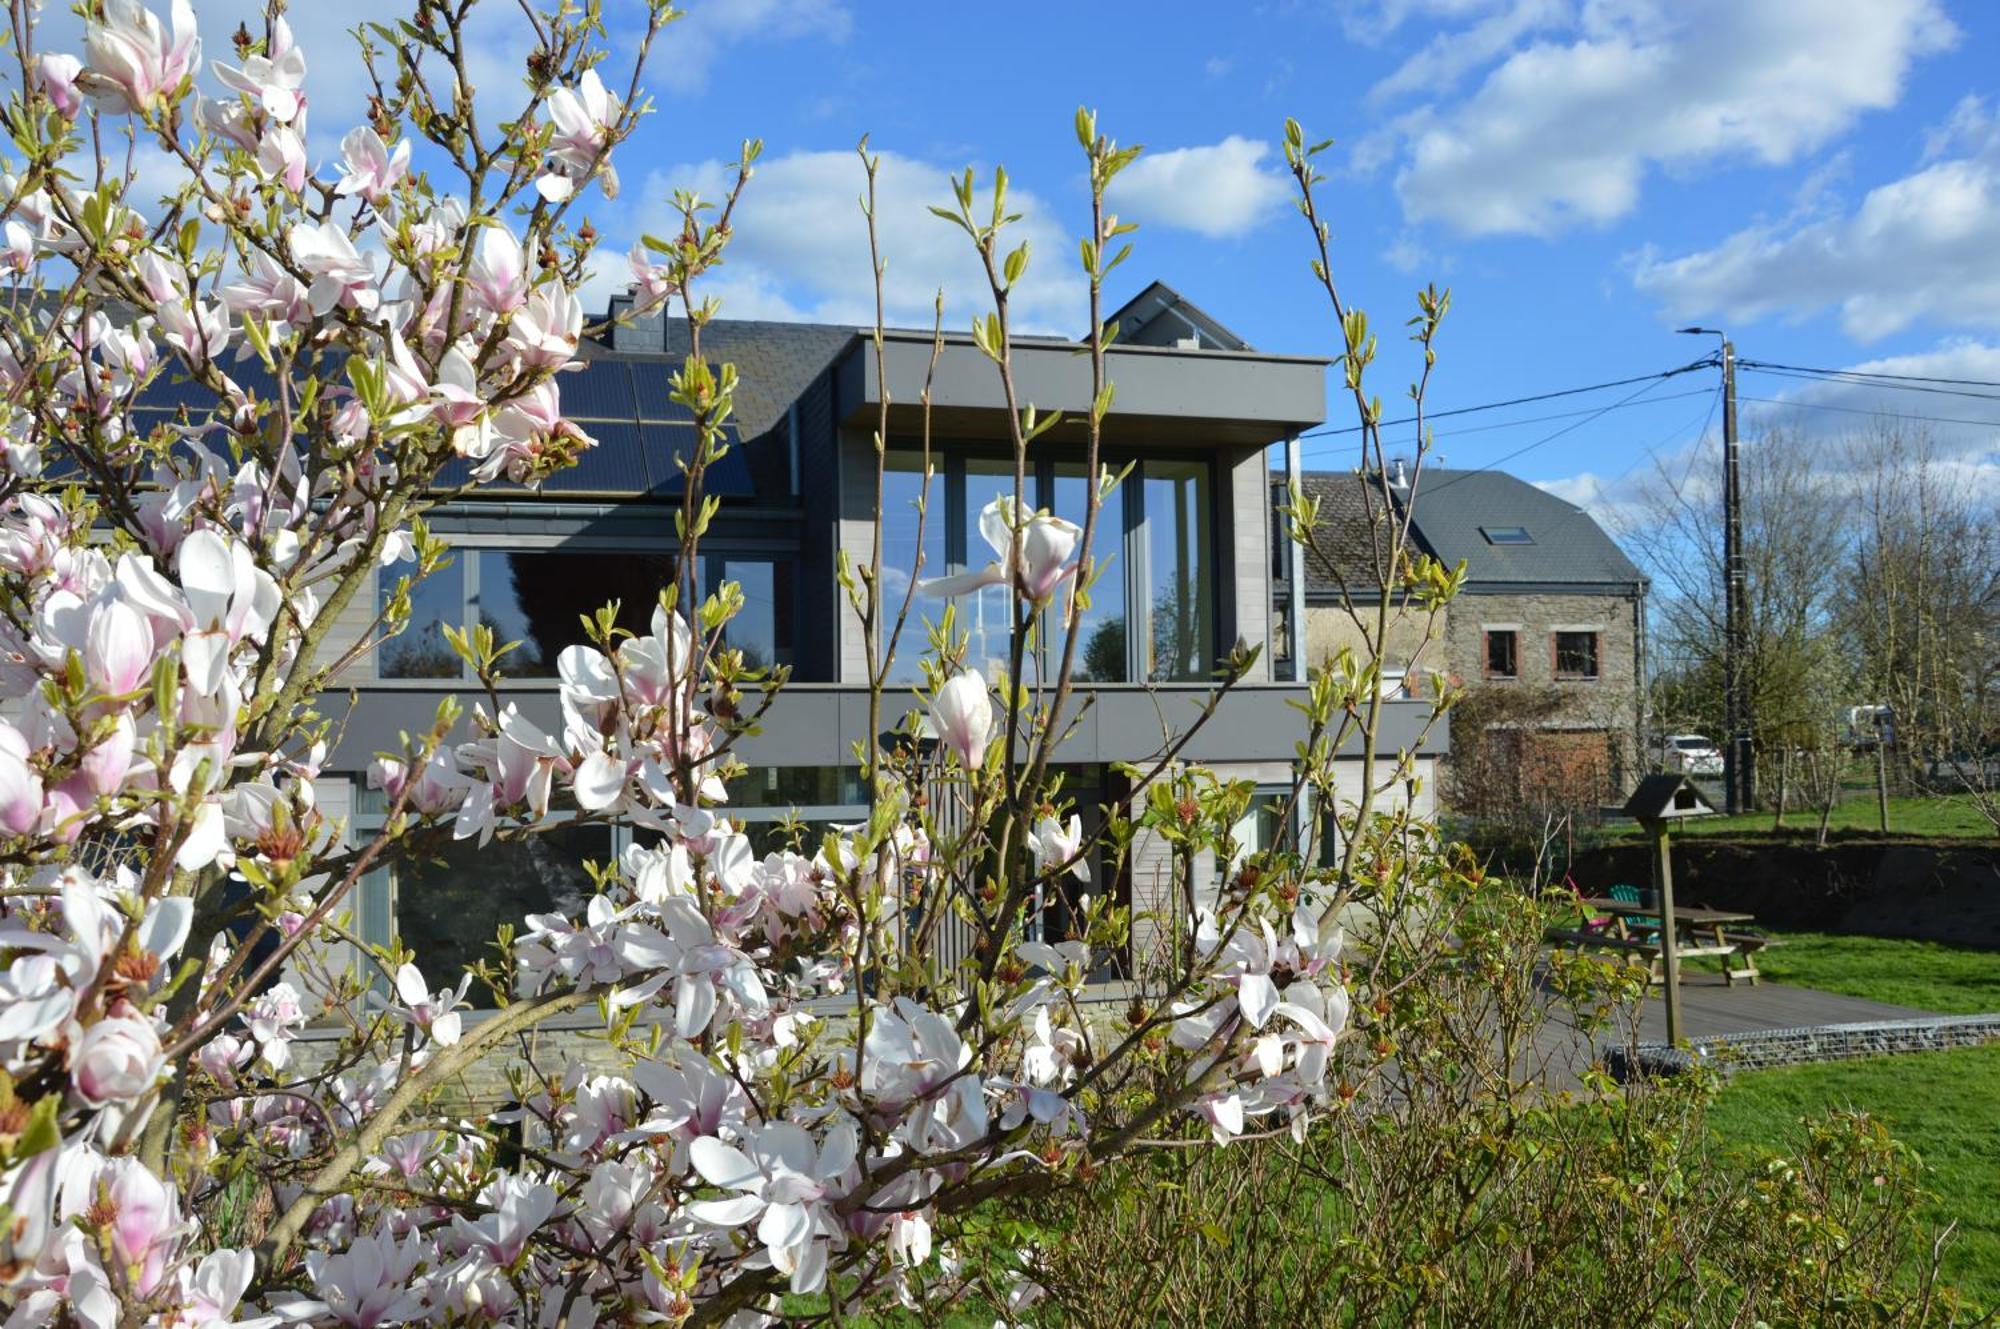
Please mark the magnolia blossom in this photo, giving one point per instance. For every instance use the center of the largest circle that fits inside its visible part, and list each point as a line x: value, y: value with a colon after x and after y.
x: 584, y: 117
x: 1059, y: 844
x: 116, y: 1060
x: 436, y: 1013
x: 1033, y: 553
x: 275, y: 81
x: 130, y: 62
x: 786, y: 1185
x: 369, y: 169
x: 58, y: 72
x: 962, y: 717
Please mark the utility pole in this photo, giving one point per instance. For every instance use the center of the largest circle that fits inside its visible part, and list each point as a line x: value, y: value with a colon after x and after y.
x: 1739, y: 769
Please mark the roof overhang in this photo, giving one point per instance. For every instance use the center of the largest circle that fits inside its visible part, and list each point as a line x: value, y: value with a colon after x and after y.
x: 1164, y: 395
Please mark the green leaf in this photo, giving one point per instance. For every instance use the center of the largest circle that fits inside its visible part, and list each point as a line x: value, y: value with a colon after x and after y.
x: 40, y: 1133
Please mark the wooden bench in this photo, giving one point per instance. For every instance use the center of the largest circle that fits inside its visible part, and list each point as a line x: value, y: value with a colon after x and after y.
x: 1644, y: 951
x: 1744, y: 946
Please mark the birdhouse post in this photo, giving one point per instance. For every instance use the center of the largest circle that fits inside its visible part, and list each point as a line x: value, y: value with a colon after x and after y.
x: 1659, y: 802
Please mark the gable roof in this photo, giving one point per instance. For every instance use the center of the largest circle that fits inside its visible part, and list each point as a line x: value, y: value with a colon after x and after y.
x: 1162, y: 316
x: 1564, y: 547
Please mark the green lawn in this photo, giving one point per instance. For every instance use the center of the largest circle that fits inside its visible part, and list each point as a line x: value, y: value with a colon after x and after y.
x: 1929, y: 975
x: 1950, y: 815
x: 1944, y: 1105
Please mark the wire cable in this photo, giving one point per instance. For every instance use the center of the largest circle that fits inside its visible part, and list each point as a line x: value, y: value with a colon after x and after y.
x: 1542, y: 419
x: 1707, y: 362
x: 1874, y: 411
x: 1552, y: 437
x: 1870, y: 374
x: 1883, y: 385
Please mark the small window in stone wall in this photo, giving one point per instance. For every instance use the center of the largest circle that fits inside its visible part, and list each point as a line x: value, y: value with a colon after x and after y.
x: 1503, y: 655
x: 1576, y: 655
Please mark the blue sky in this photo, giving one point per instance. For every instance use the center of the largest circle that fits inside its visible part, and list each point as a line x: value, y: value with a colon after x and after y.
x: 1821, y: 178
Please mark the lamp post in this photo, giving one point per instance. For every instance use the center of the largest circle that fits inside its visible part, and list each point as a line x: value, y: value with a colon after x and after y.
x: 1738, y: 761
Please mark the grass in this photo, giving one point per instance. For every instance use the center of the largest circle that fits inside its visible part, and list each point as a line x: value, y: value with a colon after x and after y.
x: 1944, y: 816
x: 1941, y: 1104
x: 1927, y: 975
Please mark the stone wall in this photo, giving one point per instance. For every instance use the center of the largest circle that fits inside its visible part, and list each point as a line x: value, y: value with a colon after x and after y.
x: 1330, y: 627
x: 1608, y: 704
x: 1762, y: 1049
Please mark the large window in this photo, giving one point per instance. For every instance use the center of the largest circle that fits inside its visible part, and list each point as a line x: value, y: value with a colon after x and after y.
x: 540, y: 597
x: 1151, y: 613
x: 986, y: 616
x: 1178, y: 594
x: 1101, y: 647
x: 908, y: 529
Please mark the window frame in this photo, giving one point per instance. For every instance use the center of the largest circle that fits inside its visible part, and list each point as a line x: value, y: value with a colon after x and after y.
x: 1595, y: 636
x: 465, y: 551
x: 1487, y: 637
x: 964, y: 549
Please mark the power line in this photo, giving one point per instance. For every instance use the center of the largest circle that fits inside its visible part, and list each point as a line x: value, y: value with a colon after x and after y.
x: 1707, y: 362
x: 1884, y: 385
x: 1566, y: 429
x: 1863, y: 410
x: 1870, y: 374
x: 1544, y: 419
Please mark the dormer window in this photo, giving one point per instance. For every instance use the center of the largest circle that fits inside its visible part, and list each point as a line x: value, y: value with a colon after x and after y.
x: 1507, y: 535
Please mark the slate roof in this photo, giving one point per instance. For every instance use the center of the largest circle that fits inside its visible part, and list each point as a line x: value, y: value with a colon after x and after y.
x: 1352, y: 534
x: 1454, y: 508
x: 776, y: 362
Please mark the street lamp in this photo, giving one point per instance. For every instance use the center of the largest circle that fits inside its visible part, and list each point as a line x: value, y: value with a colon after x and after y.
x: 1738, y: 763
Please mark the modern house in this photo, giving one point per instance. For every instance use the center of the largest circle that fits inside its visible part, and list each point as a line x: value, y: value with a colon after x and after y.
x: 1189, y: 536
x: 1547, y: 636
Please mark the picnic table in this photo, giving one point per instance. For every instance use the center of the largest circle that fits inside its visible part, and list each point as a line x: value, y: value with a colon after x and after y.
x: 1634, y: 929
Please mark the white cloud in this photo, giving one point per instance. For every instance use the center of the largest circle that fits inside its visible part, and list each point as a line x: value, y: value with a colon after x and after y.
x: 1955, y: 415
x: 1564, y: 131
x: 1218, y: 191
x: 1449, y: 56
x: 688, y: 49
x: 800, y: 247
x: 1919, y: 247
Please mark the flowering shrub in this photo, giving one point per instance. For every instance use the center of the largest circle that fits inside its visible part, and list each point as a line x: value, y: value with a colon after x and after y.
x: 225, y: 411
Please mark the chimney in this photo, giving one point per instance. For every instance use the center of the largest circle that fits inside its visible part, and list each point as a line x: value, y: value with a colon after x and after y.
x: 1397, y: 478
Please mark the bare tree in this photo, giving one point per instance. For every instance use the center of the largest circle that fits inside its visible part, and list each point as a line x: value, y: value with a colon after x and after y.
x: 1920, y: 610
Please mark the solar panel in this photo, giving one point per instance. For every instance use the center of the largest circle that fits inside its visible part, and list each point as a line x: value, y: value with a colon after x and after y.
x: 655, y: 383
x: 601, y: 390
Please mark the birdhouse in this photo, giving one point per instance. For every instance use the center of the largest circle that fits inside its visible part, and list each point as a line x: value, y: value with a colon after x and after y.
x: 1662, y: 798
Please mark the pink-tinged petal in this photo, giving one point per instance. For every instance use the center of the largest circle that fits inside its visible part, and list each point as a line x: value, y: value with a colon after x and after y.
x: 1258, y: 997
x: 964, y: 583
x: 723, y: 1164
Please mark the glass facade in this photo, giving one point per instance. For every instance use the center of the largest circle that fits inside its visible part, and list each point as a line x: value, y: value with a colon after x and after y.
x: 902, y: 491
x: 540, y: 597
x: 1102, y: 647
x: 448, y: 908
x: 1179, y: 597
x: 987, y: 616
x: 1152, y: 609
x: 421, y: 650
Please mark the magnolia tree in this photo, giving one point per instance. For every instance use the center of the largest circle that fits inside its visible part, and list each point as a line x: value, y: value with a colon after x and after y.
x: 226, y: 407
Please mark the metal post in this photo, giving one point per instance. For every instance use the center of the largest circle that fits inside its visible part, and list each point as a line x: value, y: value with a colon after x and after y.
x: 1295, y: 580
x: 1663, y: 884
x: 1738, y: 772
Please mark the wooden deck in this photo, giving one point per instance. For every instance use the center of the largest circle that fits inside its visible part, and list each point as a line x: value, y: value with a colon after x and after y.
x: 1709, y: 1009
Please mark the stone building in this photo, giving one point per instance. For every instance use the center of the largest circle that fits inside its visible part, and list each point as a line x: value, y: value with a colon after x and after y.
x: 1547, y: 637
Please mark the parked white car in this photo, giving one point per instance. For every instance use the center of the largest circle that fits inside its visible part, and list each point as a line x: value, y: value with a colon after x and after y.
x: 1691, y: 754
